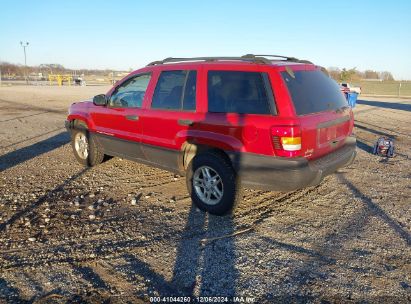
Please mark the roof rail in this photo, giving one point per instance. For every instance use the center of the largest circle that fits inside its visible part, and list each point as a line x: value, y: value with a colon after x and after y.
x: 287, y: 58
x: 249, y: 57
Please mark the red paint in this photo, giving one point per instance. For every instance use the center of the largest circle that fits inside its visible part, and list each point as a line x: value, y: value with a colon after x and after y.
x: 239, y: 132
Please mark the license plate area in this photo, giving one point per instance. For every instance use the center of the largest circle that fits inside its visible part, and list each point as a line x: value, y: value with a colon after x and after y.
x: 332, y: 132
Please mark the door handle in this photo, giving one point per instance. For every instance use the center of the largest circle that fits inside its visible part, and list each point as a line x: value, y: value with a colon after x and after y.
x: 131, y: 117
x: 185, y: 122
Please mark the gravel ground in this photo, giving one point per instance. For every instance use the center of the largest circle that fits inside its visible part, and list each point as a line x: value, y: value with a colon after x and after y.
x: 123, y: 232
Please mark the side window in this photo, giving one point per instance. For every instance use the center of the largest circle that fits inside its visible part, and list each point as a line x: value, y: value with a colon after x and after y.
x: 175, y: 90
x: 239, y: 92
x: 130, y: 94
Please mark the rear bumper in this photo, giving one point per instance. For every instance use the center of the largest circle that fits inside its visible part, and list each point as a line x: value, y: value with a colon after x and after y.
x: 281, y: 174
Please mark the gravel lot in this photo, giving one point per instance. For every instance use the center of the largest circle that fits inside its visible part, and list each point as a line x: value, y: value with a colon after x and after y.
x: 123, y: 232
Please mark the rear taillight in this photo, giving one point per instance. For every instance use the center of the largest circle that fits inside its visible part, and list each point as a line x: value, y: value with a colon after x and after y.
x: 286, y: 140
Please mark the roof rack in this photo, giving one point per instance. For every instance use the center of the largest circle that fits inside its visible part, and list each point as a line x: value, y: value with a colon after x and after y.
x: 171, y: 59
x: 293, y: 59
x: 249, y: 58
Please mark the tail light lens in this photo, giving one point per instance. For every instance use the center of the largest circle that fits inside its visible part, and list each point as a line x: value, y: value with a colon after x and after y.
x: 286, y: 140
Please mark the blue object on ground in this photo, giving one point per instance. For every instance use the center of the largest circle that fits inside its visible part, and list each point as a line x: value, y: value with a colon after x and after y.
x: 351, y: 98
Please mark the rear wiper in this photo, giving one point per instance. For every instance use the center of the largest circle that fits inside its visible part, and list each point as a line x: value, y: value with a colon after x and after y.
x: 342, y: 109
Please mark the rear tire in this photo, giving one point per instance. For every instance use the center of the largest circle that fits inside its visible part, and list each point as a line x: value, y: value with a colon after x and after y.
x: 86, y: 148
x: 212, y: 183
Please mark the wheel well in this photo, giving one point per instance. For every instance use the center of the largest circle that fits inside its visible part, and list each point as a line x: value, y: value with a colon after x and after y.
x: 79, y: 124
x: 191, y: 150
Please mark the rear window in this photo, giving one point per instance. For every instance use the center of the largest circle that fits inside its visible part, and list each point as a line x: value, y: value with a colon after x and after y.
x: 239, y: 92
x: 313, y: 92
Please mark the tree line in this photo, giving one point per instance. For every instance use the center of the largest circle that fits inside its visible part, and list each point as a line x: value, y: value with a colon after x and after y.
x: 10, y: 70
x: 16, y: 70
x: 342, y: 75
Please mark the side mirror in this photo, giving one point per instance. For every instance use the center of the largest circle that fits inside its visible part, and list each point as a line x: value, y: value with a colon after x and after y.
x: 100, y: 100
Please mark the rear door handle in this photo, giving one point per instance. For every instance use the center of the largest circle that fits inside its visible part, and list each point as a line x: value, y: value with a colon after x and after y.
x: 131, y: 117
x: 185, y: 122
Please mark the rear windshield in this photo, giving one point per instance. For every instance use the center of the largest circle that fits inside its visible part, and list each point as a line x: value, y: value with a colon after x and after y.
x: 313, y: 92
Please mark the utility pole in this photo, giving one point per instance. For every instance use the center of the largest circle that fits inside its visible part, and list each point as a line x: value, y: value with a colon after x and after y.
x: 24, y: 45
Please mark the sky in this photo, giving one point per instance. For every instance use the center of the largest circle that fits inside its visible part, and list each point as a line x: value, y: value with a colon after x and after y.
x: 125, y: 35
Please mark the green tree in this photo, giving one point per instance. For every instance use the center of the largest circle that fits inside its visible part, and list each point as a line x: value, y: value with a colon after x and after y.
x: 348, y: 75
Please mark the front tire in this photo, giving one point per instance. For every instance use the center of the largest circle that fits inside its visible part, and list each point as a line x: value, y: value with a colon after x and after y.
x: 212, y: 183
x: 86, y: 148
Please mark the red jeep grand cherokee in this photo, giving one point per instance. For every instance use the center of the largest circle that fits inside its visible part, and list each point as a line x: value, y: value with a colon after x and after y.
x: 264, y: 121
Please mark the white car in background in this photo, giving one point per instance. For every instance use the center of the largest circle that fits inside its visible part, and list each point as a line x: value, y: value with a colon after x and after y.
x: 351, y: 88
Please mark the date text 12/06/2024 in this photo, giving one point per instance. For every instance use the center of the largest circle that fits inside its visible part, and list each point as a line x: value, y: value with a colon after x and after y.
x: 235, y: 299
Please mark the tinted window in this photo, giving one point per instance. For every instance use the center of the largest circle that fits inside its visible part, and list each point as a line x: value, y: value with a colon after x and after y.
x: 313, y: 92
x: 130, y: 93
x: 237, y: 92
x: 175, y: 90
